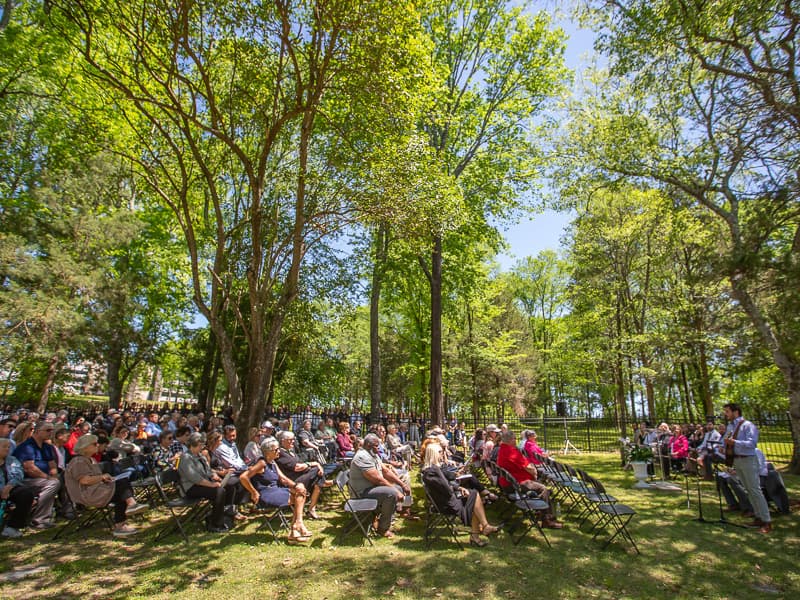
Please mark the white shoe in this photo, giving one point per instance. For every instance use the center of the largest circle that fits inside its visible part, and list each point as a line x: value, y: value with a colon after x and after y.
x: 10, y: 532
x: 124, y: 531
x: 135, y: 509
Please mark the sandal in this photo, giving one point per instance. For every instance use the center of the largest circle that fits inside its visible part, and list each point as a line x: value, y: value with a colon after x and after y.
x: 489, y: 529
x: 298, y: 539
x: 311, y: 513
x: 475, y: 540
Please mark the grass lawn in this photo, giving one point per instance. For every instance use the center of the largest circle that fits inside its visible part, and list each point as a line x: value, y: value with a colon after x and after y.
x: 680, y: 559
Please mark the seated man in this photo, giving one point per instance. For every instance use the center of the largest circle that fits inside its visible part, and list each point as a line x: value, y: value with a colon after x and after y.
x: 524, y: 471
x: 228, y: 454
x: 309, y: 473
x: 370, y: 478
x: 38, y: 458
x: 706, y: 448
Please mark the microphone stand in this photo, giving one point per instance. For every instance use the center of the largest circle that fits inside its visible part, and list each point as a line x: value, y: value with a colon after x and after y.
x: 700, y: 518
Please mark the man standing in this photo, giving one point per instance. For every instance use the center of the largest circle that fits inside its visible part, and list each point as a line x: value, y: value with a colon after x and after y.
x: 38, y: 458
x: 741, y: 437
x: 369, y: 478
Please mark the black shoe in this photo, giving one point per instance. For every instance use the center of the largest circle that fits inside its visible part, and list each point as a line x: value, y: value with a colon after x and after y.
x: 217, y: 529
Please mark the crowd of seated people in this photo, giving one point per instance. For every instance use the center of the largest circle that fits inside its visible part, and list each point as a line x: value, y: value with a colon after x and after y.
x: 205, y: 453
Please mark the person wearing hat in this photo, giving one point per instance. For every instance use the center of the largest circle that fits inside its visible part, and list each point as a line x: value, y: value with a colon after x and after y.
x: 531, y: 449
x: 38, y: 458
x: 89, y: 486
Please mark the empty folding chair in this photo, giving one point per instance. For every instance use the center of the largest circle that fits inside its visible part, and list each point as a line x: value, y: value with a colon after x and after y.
x: 615, y: 516
x: 362, y: 511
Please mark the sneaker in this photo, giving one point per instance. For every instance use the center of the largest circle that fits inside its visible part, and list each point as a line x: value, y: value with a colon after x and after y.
x: 135, y: 509
x: 124, y: 531
x: 43, y: 525
x: 10, y: 532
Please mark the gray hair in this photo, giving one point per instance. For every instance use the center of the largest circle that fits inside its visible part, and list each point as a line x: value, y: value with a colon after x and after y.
x: 507, y: 436
x: 371, y: 440
x: 284, y: 435
x: 268, y: 444
x: 195, y: 439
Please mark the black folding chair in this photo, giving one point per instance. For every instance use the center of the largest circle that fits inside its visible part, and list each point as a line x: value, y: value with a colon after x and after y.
x: 85, y: 517
x: 361, y: 510
x: 613, y: 515
x: 437, y: 519
x: 526, y: 503
x: 184, y: 511
x: 272, y: 513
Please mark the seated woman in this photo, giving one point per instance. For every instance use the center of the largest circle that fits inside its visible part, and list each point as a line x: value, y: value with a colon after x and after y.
x: 265, y: 482
x: 11, y: 476
x: 163, y: 455
x: 467, y: 504
x: 308, y: 448
x: 121, y: 443
x: 344, y: 441
x: 678, y: 449
x: 89, y: 486
x: 199, y: 481
x: 252, y: 451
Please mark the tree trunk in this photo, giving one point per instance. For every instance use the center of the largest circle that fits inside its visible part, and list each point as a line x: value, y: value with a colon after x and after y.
x: 705, y: 381
x: 378, y: 269
x: 205, y: 392
x: 155, y: 386
x: 436, y: 388
x: 113, y: 368
x: 52, y: 371
x: 788, y: 366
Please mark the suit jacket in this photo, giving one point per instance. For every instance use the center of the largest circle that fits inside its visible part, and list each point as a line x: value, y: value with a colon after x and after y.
x: 441, y: 491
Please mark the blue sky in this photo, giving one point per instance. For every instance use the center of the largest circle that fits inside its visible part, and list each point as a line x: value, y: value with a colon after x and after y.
x: 543, y: 231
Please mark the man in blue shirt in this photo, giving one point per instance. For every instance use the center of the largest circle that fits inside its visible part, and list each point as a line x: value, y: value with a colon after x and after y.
x: 152, y: 428
x: 742, y: 437
x: 38, y: 458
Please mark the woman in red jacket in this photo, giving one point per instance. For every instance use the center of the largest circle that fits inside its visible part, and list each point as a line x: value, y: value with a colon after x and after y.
x: 678, y: 449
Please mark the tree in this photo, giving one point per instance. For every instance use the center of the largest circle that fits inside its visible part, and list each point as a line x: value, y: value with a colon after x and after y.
x: 237, y: 108
x: 498, y: 67
x: 710, y: 113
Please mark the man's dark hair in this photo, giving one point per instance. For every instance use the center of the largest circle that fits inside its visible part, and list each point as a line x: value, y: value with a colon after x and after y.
x: 183, y: 430
x: 733, y: 407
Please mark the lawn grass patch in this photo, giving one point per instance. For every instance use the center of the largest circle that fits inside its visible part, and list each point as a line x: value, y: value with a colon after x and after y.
x: 680, y: 559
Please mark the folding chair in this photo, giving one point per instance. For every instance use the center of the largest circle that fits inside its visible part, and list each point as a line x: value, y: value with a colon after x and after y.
x: 272, y: 513
x: 85, y: 517
x: 436, y: 519
x: 144, y: 487
x: 183, y: 510
x: 361, y: 510
x: 592, y: 500
x: 526, y: 503
x: 613, y: 514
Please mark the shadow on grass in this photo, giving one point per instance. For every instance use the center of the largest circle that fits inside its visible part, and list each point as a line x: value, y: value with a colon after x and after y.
x: 680, y: 558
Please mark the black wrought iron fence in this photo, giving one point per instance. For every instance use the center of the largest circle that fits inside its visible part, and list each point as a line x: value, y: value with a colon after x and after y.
x: 557, y: 434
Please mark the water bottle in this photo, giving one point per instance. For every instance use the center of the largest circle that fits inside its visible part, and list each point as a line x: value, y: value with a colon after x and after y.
x: 557, y: 510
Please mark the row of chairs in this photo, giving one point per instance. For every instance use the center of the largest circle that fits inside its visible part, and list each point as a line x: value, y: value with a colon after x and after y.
x: 587, y: 497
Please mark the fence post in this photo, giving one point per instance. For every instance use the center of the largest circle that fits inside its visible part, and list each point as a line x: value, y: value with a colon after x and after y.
x: 588, y: 434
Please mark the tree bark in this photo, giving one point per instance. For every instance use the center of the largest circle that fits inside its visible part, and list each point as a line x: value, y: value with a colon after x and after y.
x: 786, y: 363
x: 113, y: 368
x: 52, y: 371
x: 378, y: 270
